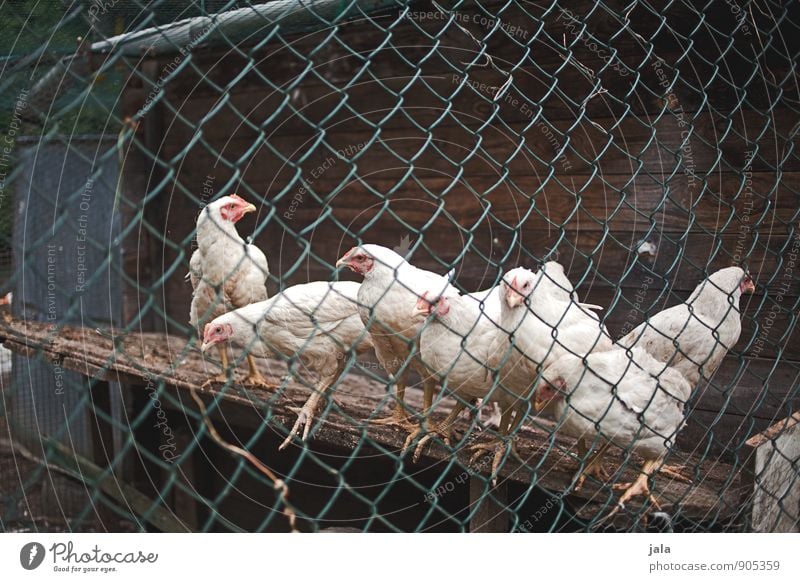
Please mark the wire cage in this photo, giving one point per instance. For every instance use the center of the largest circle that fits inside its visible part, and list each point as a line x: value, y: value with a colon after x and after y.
x: 618, y: 153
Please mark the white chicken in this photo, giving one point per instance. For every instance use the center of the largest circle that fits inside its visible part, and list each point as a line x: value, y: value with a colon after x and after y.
x: 386, y: 299
x: 542, y: 317
x: 695, y: 336
x: 625, y: 397
x: 315, y: 324
x: 456, y: 345
x: 226, y: 273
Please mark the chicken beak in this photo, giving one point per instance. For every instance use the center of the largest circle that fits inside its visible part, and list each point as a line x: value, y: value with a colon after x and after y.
x: 421, y: 308
x: 417, y: 311
x: 513, y: 298
x: 342, y: 262
x: 205, y: 346
x: 249, y: 208
x: 538, y: 404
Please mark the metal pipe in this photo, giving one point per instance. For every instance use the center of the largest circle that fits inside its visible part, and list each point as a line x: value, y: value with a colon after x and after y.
x: 242, y: 25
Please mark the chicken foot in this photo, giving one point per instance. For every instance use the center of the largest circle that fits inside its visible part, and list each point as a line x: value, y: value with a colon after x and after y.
x: 676, y: 472
x: 444, y: 430
x: 222, y: 377
x: 638, y: 487
x: 306, y: 414
x: 500, y: 445
x: 254, y: 378
x: 594, y: 466
x: 400, y: 416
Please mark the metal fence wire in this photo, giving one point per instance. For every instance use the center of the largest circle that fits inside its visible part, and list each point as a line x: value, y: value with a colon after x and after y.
x: 400, y: 266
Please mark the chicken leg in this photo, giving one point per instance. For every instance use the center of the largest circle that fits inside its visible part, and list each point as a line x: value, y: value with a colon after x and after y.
x: 443, y: 430
x: 305, y: 415
x: 254, y: 378
x: 676, y: 472
x: 593, y: 467
x: 222, y: 377
x: 501, y: 443
x: 639, y: 486
x: 400, y: 416
x: 428, y: 387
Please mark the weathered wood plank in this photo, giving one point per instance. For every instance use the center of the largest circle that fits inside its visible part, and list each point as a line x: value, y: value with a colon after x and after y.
x: 536, y: 47
x: 440, y: 103
x: 772, y: 470
x: 547, y: 463
x: 489, y: 506
x: 711, y: 143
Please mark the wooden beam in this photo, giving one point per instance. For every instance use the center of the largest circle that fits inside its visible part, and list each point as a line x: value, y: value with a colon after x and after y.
x: 549, y: 464
x: 491, y: 515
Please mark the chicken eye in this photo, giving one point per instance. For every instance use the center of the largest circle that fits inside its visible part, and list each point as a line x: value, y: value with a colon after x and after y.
x: 231, y: 205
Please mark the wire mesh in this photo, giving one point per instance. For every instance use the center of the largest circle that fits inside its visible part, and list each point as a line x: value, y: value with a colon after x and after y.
x: 619, y: 153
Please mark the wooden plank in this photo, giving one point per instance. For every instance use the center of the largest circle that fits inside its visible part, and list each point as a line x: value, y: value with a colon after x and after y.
x: 490, y: 515
x: 536, y: 47
x: 661, y: 147
x: 440, y: 103
x: 489, y: 207
x: 771, y: 469
x: 750, y: 387
x: 546, y: 462
x: 135, y: 184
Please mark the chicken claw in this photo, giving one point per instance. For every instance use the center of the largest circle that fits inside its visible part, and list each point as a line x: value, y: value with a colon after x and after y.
x: 676, y: 472
x: 254, y: 378
x: 220, y: 378
x: 259, y: 381
x: 305, y: 417
x: 443, y: 432
x: 498, y: 447
x: 594, y: 468
x: 399, y: 418
x: 637, y: 488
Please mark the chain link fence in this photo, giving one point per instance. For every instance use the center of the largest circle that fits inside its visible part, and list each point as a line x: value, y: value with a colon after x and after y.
x: 635, y: 165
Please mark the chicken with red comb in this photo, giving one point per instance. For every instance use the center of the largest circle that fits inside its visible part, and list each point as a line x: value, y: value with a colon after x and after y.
x: 542, y: 315
x: 386, y: 299
x: 314, y: 326
x: 694, y: 336
x: 624, y: 397
x: 226, y: 273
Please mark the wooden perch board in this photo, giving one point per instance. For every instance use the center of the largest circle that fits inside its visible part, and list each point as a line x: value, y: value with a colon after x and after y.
x: 141, y: 359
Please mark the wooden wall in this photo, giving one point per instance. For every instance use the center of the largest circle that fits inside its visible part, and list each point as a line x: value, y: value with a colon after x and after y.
x: 576, y: 160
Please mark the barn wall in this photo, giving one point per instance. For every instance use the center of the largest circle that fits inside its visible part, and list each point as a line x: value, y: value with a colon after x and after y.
x: 365, y: 142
